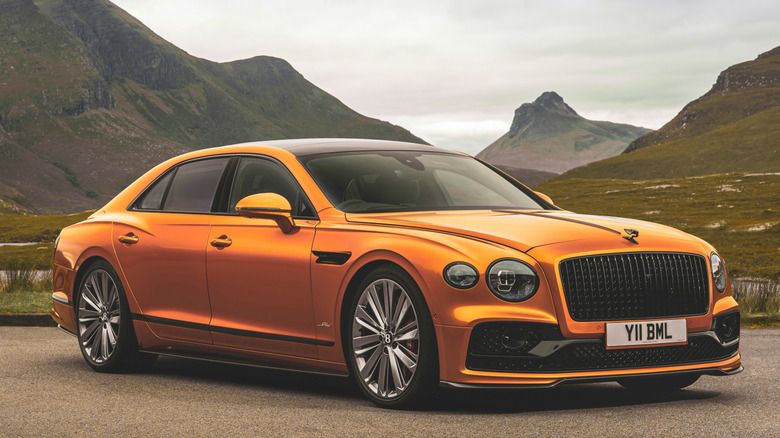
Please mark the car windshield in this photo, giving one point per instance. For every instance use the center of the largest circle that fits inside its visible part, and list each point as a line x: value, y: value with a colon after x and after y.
x: 391, y: 181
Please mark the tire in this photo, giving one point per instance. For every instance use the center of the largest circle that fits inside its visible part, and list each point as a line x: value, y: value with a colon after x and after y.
x: 392, y: 354
x: 659, y: 384
x: 103, y: 323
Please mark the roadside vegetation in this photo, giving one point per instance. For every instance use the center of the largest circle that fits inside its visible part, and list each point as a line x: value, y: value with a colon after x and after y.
x: 738, y: 213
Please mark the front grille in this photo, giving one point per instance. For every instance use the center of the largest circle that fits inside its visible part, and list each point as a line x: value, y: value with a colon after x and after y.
x: 636, y: 285
x: 593, y: 356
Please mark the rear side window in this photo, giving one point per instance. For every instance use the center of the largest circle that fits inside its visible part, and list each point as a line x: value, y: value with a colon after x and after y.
x: 194, y: 185
x: 188, y: 188
x: 154, y: 196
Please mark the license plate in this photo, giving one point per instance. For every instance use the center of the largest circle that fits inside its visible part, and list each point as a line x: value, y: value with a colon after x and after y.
x: 637, y: 333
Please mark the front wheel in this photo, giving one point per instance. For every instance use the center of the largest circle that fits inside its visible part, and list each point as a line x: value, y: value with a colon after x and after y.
x: 104, y: 326
x: 391, y: 344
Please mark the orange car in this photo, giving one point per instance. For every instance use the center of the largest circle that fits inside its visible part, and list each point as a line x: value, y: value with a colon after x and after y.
x: 405, y: 265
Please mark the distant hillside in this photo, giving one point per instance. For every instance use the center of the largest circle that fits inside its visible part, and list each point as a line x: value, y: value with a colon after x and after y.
x: 529, y: 177
x: 549, y: 135
x: 90, y: 98
x: 734, y: 127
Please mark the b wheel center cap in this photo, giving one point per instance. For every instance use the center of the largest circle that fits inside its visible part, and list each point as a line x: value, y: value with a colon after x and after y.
x: 387, y: 338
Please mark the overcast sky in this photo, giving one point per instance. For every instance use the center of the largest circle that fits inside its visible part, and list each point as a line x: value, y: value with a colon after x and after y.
x: 453, y: 72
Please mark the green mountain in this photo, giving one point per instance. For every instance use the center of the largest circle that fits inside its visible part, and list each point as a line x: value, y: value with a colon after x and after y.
x: 90, y: 98
x: 549, y: 135
x: 734, y: 127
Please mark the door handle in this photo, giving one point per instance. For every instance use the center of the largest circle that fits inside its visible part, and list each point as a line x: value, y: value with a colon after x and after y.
x: 220, y: 242
x: 128, y: 239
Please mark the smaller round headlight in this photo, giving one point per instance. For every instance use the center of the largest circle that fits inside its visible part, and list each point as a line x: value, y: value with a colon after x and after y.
x: 718, y: 272
x: 512, y: 280
x: 461, y: 275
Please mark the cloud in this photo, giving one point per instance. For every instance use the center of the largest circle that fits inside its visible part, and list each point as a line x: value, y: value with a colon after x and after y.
x: 454, y: 71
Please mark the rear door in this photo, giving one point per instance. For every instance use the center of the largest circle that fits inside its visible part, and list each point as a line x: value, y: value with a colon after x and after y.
x: 161, y: 247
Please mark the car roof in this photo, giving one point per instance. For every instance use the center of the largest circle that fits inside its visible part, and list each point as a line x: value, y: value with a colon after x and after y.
x: 312, y: 146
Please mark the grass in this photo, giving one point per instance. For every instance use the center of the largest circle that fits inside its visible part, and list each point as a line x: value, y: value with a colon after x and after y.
x: 30, y: 228
x: 738, y: 213
x: 25, y: 301
x: 22, y: 290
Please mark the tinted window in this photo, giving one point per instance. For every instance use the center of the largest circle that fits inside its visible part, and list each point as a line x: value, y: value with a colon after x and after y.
x: 194, y: 185
x: 411, y: 180
x: 256, y: 175
x: 153, y: 198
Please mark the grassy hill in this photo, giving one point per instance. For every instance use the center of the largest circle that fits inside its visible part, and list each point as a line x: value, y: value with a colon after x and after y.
x: 735, y: 127
x: 738, y: 213
x: 549, y: 135
x: 90, y: 98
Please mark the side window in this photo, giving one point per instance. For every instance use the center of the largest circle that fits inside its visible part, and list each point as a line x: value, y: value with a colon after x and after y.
x: 257, y: 175
x: 194, y: 185
x: 154, y: 196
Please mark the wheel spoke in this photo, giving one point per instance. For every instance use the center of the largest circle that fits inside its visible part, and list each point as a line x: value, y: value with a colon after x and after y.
x: 365, y: 320
x: 89, y: 298
x: 400, y: 311
x: 86, y: 315
x: 369, y: 342
x: 104, y: 343
x: 395, y: 370
x: 373, y: 301
x: 96, y: 292
x: 112, y: 337
x: 411, y: 326
x: 370, y: 364
x: 387, y: 286
x: 104, y: 288
x: 382, y: 381
x: 406, y: 357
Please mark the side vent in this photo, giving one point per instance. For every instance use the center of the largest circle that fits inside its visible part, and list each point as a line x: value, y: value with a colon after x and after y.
x: 331, y: 258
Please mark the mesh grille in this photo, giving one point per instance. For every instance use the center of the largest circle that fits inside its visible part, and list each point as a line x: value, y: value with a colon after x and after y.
x: 593, y: 356
x: 635, y: 286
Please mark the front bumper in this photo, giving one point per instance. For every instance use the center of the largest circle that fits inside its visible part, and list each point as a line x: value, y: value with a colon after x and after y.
x: 555, y: 361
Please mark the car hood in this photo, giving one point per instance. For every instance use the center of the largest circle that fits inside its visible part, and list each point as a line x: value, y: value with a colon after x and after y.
x: 527, y: 229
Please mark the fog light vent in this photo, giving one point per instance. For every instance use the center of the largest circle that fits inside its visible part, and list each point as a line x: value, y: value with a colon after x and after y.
x: 727, y: 326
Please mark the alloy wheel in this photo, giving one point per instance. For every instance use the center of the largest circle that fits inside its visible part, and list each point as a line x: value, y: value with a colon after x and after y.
x: 385, y: 339
x: 99, y: 316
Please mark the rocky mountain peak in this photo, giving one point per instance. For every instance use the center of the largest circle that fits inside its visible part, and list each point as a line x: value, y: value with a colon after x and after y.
x: 551, y: 101
x: 528, y: 113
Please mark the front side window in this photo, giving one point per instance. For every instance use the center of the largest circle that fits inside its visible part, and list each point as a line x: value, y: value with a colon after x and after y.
x: 356, y: 182
x: 257, y: 175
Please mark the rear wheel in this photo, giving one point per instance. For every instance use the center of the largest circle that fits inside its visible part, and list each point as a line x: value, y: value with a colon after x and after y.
x: 659, y: 384
x: 104, y: 326
x: 391, y: 345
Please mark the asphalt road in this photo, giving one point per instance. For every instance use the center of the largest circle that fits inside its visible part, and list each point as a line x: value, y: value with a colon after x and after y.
x: 46, y: 389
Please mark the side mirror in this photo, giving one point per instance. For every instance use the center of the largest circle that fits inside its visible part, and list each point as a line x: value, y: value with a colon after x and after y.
x: 545, y: 197
x: 267, y: 206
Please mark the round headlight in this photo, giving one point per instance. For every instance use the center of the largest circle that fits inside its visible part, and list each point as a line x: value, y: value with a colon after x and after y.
x: 718, y: 272
x: 461, y: 275
x: 512, y: 280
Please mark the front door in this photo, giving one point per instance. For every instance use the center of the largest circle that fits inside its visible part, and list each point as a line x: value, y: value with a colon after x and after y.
x: 258, y: 276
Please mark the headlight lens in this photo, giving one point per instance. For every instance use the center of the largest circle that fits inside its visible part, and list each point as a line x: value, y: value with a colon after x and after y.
x: 718, y: 272
x: 461, y: 275
x: 512, y: 280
